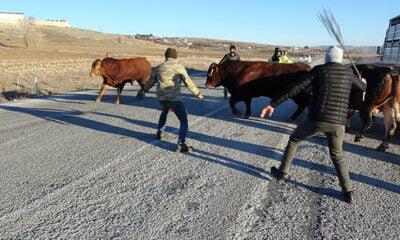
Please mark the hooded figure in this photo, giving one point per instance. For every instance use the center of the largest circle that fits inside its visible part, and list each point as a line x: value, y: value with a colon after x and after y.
x: 334, y: 54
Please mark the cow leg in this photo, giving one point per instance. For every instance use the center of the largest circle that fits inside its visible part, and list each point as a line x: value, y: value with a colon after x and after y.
x: 103, y: 90
x: 141, y: 93
x: 350, y: 113
x: 225, y: 93
x: 248, y: 108
x: 366, y: 116
x: 300, y: 109
x: 390, y: 126
x: 119, y: 91
x: 232, y: 102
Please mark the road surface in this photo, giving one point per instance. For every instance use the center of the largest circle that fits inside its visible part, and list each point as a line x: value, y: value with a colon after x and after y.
x: 75, y: 169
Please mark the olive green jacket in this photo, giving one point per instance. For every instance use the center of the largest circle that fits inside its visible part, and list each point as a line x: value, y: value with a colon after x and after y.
x: 169, y: 77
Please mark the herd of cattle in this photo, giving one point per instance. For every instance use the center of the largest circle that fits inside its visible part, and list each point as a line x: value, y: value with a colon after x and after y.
x: 247, y: 79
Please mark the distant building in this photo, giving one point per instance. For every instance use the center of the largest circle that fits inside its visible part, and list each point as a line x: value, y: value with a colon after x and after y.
x: 54, y: 23
x: 11, y: 17
x: 391, y: 46
x: 18, y: 18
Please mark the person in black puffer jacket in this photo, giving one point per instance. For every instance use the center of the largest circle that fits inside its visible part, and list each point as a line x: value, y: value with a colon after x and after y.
x: 331, y: 84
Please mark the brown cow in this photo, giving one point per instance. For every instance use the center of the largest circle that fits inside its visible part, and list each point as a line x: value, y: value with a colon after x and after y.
x: 117, y: 72
x: 238, y: 77
x: 383, y: 94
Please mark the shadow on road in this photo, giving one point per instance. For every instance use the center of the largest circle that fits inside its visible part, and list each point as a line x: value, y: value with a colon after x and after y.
x: 231, y: 163
x: 354, y: 176
x: 329, y: 192
x: 267, y: 152
x: 74, y: 117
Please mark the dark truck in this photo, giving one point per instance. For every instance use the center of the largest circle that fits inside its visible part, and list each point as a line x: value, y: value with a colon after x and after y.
x: 391, y: 46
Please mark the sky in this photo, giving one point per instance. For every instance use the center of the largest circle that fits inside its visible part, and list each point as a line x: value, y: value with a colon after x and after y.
x: 286, y: 23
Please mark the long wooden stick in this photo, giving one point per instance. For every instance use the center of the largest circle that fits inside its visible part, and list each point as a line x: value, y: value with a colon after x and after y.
x: 333, y: 29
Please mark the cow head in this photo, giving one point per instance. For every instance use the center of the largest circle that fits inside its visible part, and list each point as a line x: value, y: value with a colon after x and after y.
x: 213, y: 77
x: 96, y: 66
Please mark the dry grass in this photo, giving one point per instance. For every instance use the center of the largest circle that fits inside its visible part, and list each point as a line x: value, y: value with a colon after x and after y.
x: 62, y: 58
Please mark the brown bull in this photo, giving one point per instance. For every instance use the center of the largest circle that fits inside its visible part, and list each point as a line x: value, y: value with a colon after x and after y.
x: 246, y: 79
x: 117, y: 72
x: 383, y: 94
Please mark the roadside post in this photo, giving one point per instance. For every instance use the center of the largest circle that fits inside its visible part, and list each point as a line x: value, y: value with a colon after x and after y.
x: 37, y: 90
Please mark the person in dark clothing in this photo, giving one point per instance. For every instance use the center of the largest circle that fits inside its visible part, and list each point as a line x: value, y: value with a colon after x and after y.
x: 331, y: 85
x: 231, y: 56
x: 276, y: 56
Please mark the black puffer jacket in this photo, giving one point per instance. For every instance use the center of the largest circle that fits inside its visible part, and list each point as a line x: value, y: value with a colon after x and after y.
x: 331, y: 85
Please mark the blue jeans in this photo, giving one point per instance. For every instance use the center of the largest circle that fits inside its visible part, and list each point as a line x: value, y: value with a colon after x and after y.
x: 180, y: 112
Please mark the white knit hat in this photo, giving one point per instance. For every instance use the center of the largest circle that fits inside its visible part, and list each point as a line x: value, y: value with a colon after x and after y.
x: 334, y: 54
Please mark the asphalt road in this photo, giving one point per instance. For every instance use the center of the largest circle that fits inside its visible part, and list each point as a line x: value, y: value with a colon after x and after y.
x: 75, y: 169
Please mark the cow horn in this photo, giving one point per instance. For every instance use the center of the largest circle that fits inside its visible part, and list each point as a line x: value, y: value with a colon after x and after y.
x: 211, y: 72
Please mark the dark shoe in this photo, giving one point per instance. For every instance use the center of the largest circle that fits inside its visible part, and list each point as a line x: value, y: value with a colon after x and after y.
x: 184, y: 148
x: 278, y: 174
x: 349, y: 197
x: 382, y: 147
x: 163, y: 136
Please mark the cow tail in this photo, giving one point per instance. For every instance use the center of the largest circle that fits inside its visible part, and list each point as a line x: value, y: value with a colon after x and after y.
x: 388, y: 78
x: 396, y: 91
x: 397, y: 111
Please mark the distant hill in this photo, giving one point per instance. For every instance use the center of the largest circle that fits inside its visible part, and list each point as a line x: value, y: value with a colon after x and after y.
x: 60, y: 58
x: 31, y: 36
x: 361, y: 49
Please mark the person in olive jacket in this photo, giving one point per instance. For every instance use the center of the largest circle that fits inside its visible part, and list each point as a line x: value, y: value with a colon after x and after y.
x: 169, y: 77
x: 331, y: 84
